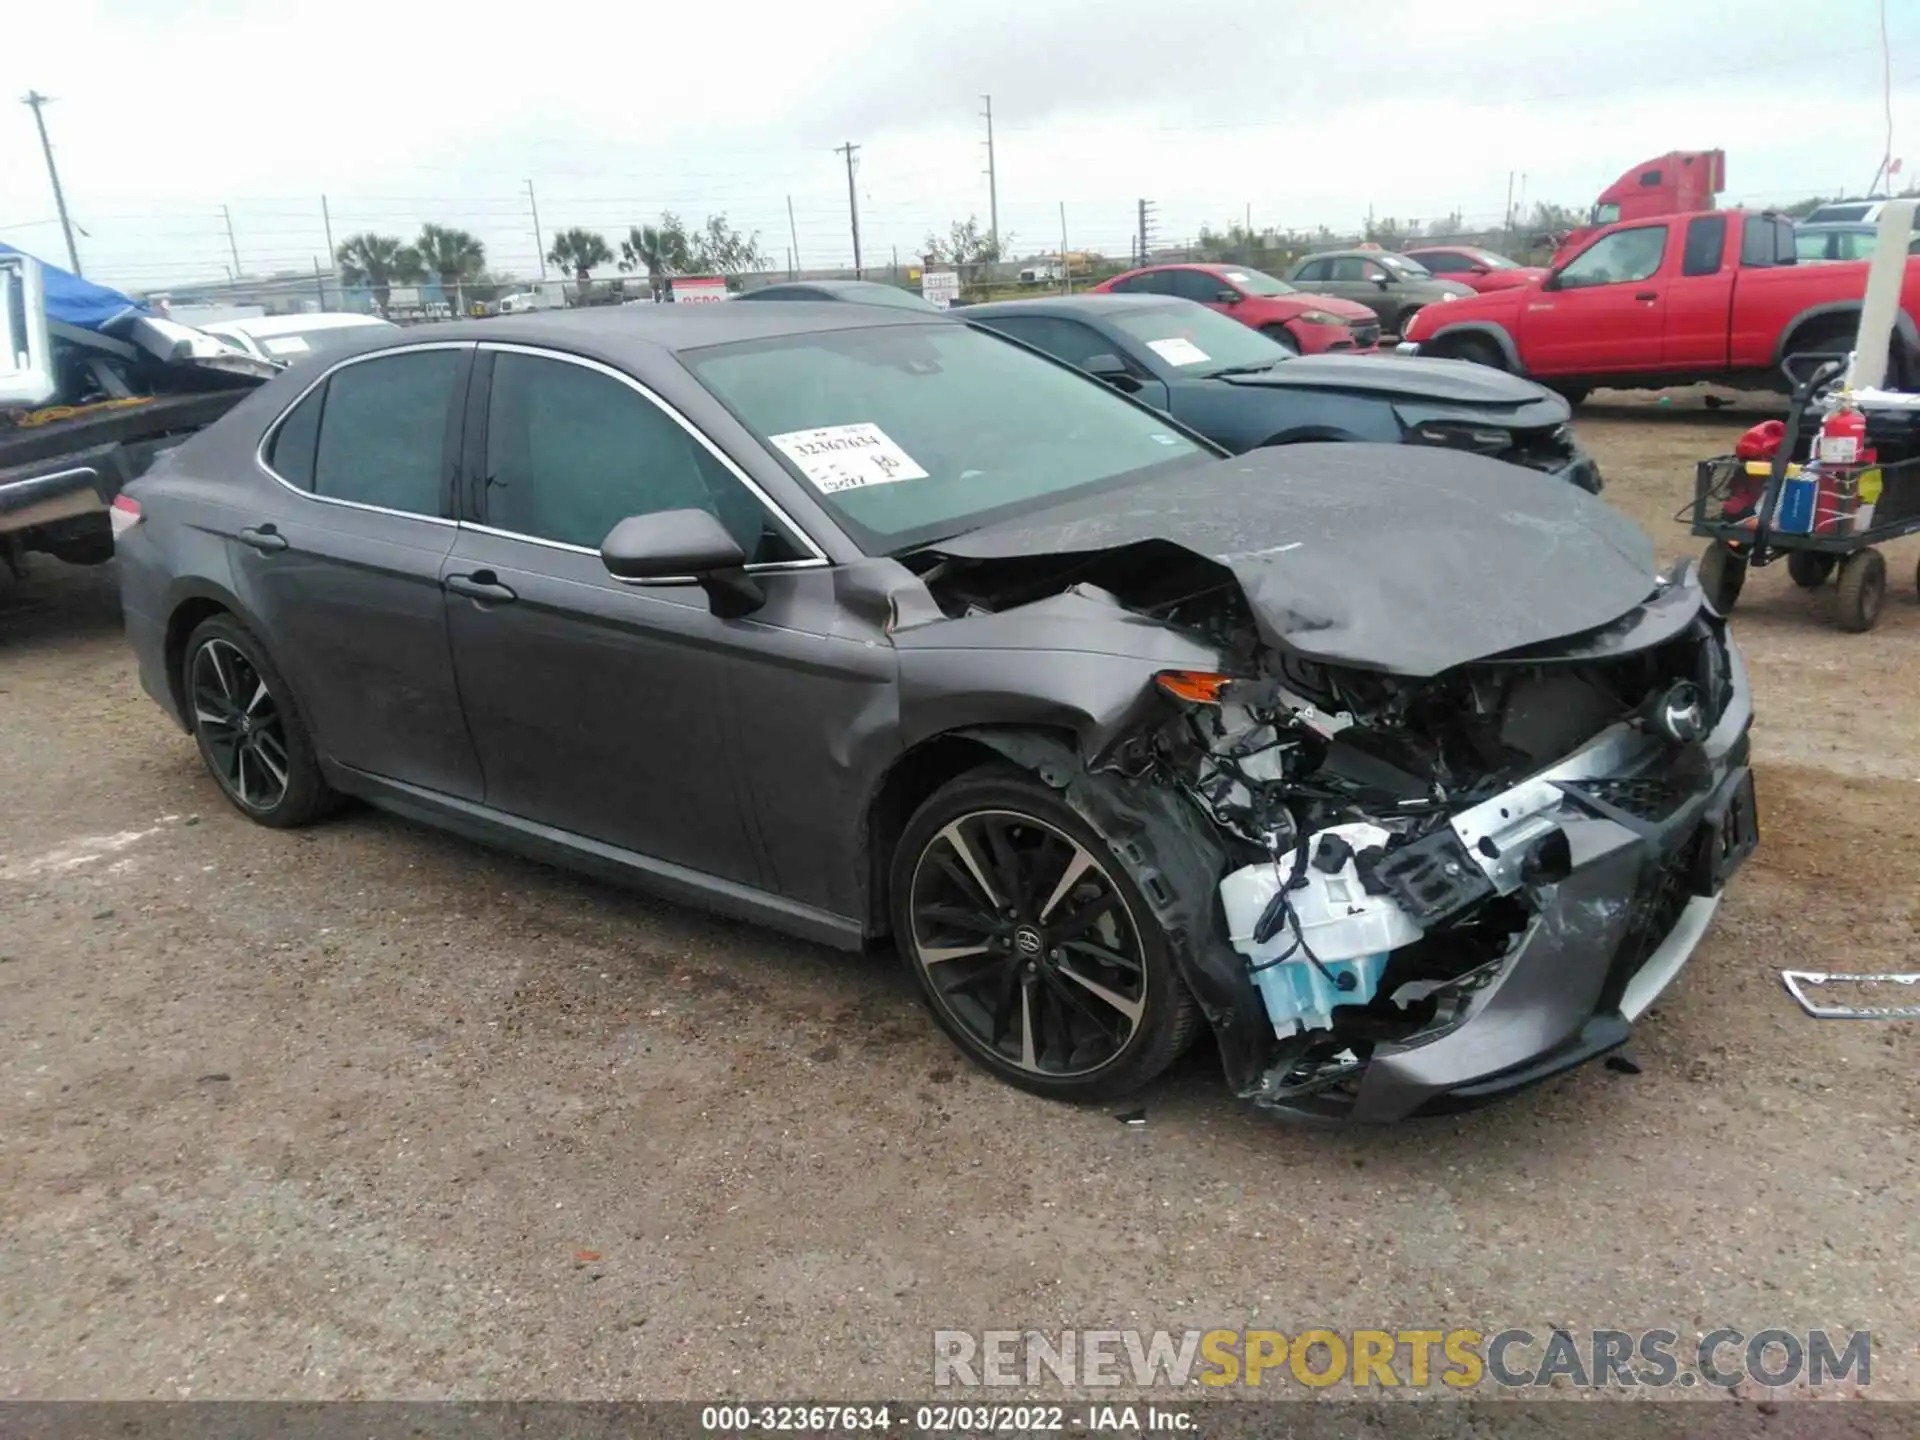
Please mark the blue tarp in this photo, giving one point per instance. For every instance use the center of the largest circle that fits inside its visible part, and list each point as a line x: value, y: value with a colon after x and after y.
x: 74, y: 301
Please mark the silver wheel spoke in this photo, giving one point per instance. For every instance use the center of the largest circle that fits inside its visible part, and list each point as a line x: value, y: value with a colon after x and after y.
x: 240, y: 773
x: 259, y: 694
x: 207, y: 717
x: 1129, y: 1008
x: 940, y: 954
x: 278, y: 772
x: 1081, y: 863
x: 958, y: 843
x: 1028, y: 1056
x: 219, y: 670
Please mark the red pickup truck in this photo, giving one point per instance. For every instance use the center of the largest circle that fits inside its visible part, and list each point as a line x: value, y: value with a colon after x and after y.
x: 1669, y: 301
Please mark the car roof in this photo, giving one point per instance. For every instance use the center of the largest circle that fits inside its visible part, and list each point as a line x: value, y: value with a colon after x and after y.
x: 1827, y: 227
x: 667, y: 327
x: 1075, y: 305
x: 267, y: 326
x: 829, y: 287
x: 1211, y: 267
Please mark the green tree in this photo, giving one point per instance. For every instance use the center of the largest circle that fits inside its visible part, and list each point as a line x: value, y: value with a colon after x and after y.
x: 965, y: 246
x: 579, y: 251
x: 378, y: 262
x: 661, y: 250
x: 452, y: 255
x: 719, y: 249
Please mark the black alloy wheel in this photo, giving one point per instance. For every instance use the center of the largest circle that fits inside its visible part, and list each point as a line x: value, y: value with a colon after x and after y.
x: 249, y: 732
x: 1035, y: 952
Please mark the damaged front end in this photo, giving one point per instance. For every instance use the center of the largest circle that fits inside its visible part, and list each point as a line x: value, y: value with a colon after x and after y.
x: 1451, y: 887
x: 1468, y: 777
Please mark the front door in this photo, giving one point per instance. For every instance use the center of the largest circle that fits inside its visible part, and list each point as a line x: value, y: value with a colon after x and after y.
x: 340, y: 564
x: 600, y: 708
x: 1605, y: 310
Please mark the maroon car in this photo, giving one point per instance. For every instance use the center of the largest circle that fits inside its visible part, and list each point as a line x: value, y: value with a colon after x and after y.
x: 1479, y: 270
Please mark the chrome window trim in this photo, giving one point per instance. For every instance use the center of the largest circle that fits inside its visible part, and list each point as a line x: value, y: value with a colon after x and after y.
x: 267, y: 436
x: 818, y: 557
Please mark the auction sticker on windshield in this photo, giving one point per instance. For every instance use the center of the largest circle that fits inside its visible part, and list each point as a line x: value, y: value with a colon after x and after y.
x: 847, y: 457
x: 1179, y: 351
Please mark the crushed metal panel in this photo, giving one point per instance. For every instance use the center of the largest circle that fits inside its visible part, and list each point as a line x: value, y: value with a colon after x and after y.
x: 1397, y: 558
x: 1799, y: 982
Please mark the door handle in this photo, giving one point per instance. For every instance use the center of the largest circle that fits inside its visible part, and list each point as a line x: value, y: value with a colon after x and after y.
x: 483, y: 586
x: 265, y: 539
x: 1648, y: 295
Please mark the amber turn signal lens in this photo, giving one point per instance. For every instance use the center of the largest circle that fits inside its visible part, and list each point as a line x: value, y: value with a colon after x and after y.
x: 1202, y: 687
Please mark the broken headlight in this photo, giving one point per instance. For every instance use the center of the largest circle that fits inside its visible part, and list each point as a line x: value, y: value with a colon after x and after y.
x: 1480, y: 439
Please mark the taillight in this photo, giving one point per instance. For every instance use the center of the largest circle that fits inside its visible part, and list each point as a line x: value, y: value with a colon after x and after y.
x: 123, y: 515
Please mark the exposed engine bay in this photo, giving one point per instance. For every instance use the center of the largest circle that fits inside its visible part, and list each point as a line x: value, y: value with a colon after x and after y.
x: 1396, y: 841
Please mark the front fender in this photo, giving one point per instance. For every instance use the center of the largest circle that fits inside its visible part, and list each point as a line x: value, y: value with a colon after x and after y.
x: 1493, y: 330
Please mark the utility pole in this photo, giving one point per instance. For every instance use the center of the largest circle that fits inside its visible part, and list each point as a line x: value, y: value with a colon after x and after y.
x: 333, y: 260
x: 793, y: 234
x: 539, y: 245
x: 233, y: 249
x: 1146, y: 229
x: 853, y: 203
x: 1507, y: 244
x: 1066, y: 265
x: 34, y: 100
x: 320, y: 281
x: 993, y: 181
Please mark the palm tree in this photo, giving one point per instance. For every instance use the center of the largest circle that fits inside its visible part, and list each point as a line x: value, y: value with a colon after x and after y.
x: 375, y: 261
x: 579, y: 251
x: 660, y: 250
x: 453, y: 255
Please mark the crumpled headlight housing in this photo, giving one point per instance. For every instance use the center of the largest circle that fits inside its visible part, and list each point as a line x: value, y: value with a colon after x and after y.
x: 1480, y: 439
x: 1320, y: 317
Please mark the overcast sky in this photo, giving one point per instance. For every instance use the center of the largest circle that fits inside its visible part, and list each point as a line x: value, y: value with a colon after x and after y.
x: 1300, y: 112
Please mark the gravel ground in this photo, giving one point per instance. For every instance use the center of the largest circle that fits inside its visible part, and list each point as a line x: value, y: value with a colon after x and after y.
x: 366, y: 1111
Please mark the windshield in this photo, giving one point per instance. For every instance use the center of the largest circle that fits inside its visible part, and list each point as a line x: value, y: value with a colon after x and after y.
x: 910, y: 433
x: 1256, y: 282
x: 1197, y: 340
x: 1411, y: 268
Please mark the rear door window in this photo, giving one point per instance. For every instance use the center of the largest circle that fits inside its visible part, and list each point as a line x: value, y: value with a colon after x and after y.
x: 1706, y: 241
x: 383, y: 431
x: 290, y: 452
x: 1313, y: 270
x: 1066, y: 340
x: 1438, y: 262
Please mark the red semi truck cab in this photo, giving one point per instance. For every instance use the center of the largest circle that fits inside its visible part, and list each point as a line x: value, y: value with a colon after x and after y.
x: 1676, y: 183
x: 1670, y: 301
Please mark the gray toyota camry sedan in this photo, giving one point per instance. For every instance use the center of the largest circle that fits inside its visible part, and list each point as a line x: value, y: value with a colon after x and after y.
x: 1399, y: 771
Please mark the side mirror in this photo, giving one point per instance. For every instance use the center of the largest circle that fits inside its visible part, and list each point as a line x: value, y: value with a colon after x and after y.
x: 679, y: 545
x: 1227, y: 297
x: 1383, y: 281
x: 1110, y: 368
x: 1477, y: 270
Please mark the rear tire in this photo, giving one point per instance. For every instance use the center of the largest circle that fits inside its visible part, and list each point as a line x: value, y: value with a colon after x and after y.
x: 1863, y: 590
x: 251, y: 734
x: 1282, y: 337
x: 1723, y: 571
x: 1031, y: 944
x: 1810, y: 569
x: 1405, y: 319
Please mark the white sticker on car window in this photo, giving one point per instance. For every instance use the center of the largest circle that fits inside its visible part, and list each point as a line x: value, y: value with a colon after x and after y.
x: 1236, y: 277
x: 287, y: 345
x: 1178, y: 351
x: 847, y: 457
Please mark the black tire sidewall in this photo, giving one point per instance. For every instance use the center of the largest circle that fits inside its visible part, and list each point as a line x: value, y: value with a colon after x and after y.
x: 1169, y: 1020
x: 307, y: 793
x: 1863, y: 575
x: 1283, y: 337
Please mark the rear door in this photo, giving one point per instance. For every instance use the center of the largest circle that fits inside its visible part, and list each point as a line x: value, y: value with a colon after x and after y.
x: 340, y: 564
x: 1699, y: 305
x: 1606, y: 310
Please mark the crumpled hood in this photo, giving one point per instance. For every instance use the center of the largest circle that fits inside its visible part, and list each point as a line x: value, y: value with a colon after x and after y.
x: 1409, y: 377
x: 1384, y: 557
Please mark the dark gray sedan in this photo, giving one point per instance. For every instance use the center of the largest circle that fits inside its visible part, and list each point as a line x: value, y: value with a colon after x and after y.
x: 1243, y: 391
x: 1390, y: 285
x: 1402, y: 772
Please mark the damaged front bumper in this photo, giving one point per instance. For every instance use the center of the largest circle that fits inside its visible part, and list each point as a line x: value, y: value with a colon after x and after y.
x: 1616, y: 856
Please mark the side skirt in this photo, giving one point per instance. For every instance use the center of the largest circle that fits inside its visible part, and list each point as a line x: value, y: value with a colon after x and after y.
x: 569, y: 851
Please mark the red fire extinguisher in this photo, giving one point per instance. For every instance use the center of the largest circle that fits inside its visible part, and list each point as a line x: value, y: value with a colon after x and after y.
x: 1843, y: 452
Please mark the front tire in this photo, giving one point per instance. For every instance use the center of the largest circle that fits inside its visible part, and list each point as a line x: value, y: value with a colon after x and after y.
x: 1723, y: 572
x: 250, y: 732
x: 1863, y: 590
x: 1031, y: 944
x: 1282, y: 337
x: 1478, y: 350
